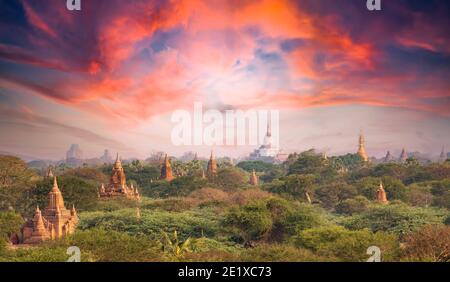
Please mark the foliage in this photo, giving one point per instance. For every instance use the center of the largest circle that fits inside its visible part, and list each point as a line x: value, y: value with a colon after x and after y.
x: 431, y: 243
x: 10, y: 223
x: 15, y: 180
x: 152, y: 222
x: 397, y: 218
x: 354, y: 205
x: 231, y: 178
x: 346, y: 245
x: 174, y: 246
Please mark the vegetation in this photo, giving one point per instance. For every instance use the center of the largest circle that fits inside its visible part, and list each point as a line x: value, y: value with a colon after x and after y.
x: 310, y: 208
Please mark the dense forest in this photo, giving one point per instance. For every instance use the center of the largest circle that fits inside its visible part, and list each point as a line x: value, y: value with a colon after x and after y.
x: 309, y: 208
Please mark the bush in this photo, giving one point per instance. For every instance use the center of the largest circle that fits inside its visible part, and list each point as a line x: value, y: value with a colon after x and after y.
x: 251, y: 222
x: 231, y: 178
x: 351, y: 206
x: 10, y: 223
x: 397, y: 218
x: 431, y: 243
x: 346, y: 245
x: 152, y: 222
x: 279, y: 253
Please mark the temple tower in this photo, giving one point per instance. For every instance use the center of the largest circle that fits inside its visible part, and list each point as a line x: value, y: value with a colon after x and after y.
x: 253, y: 179
x: 443, y: 155
x: 53, y: 223
x: 381, y: 194
x: 55, y: 197
x: 403, y: 156
x: 211, y: 170
x: 388, y: 157
x: 362, y: 149
x: 166, y: 170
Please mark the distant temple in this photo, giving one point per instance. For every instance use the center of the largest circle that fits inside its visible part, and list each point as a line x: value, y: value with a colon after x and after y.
x: 362, y: 148
x: 211, y: 170
x: 389, y: 157
x: 381, y: 194
x: 253, y: 179
x: 443, y: 155
x: 49, y: 173
x: 53, y: 223
x: 166, y: 170
x: 403, y: 156
x: 268, y: 149
x: 117, y: 184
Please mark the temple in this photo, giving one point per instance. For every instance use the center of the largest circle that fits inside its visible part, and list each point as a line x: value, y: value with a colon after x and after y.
x: 253, y: 179
x: 381, y: 194
x: 49, y: 173
x: 403, y: 156
x: 443, y: 155
x: 362, y: 148
x: 268, y: 150
x: 118, y: 185
x: 211, y: 170
x: 166, y: 170
x: 53, y: 223
x: 389, y: 157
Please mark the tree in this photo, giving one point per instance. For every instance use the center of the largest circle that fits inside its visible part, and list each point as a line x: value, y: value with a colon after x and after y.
x: 15, y: 180
x: 308, y: 162
x: 231, y: 178
x: 431, y: 243
x: 251, y: 222
x: 351, y: 206
x: 294, y: 185
x: 396, y: 218
x: 346, y: 245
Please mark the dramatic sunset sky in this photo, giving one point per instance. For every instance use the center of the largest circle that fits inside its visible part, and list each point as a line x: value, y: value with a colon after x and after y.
x: 111, y: 75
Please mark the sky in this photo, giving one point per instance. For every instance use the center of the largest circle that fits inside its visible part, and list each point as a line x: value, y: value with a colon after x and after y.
x: 111, y: 75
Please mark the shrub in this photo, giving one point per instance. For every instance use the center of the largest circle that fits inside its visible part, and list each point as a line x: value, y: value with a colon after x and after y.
x: 279, y: 253
x: 251, y: 222
x: 346, y: 245
x: 231, y: 178
x: 152, y: 222
x: 246, y: 196
x: 351, y: 206
x: 397, y: 218
x: 431, y: 243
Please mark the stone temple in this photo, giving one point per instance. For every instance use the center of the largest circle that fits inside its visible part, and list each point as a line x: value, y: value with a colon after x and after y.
x: 118, y: 184
x: 52, y: 223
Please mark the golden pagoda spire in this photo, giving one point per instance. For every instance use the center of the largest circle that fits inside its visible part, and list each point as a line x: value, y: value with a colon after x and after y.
x: 362, y: 148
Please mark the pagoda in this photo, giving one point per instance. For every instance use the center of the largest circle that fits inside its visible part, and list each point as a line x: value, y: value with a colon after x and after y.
x: 166, y: 170
x: 253, y: 179
x: 388, y: 158
x: 381, y: 194
x: 403, y: 156
x: 211, y: 170
x: 53, y: 223
x: 118, y: 185
x: 362, y: 149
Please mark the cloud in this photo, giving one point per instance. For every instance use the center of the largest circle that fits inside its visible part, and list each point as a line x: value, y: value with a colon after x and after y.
x: 128, y: 61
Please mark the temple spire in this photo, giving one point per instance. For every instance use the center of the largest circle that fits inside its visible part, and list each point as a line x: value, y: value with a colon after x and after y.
x: 211, y: 170
x: 166, y: 170
x: 253, y: 179
x: 381, y: 194
x: 403, y: 156
x: 362, y: 148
